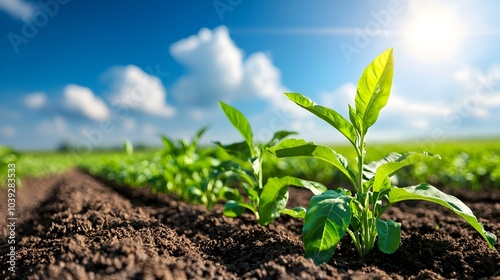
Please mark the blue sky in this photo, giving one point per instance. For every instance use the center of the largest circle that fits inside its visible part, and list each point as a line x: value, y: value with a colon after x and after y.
x: 96, y: 72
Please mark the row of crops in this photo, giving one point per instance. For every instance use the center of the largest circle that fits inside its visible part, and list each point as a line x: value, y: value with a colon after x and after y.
x: 183, y: 165
x: 186, y: 166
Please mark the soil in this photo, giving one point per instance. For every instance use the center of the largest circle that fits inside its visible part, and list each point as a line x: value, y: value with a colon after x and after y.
x: 73, y: 226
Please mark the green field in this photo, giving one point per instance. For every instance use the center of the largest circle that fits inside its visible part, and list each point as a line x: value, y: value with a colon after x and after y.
x: 472, y: 164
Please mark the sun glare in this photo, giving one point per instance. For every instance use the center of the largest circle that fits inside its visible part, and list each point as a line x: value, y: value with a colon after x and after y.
x: 434, y: 33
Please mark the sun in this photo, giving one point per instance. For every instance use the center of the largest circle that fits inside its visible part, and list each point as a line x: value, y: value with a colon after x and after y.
x: 434, y: 33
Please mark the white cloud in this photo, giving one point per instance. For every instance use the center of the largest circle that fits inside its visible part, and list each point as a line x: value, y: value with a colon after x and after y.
x: 415, y: 113
x: 402, y: 112
x: 398, y: 104
x: 218, y: 71
x: 215, y: 66
x: 482, y: 93
x: 129, y: 124
x: 56, y: 126
x: 339, y: 98
x: 149, y: 130
x: 83, y: 101
x: 473, y: 77
x: 35, y: 100
x: 8, y: 131
x: 420, y: 123
x: 18, y: 9
x: 262, y: 78
x: 132, y: 87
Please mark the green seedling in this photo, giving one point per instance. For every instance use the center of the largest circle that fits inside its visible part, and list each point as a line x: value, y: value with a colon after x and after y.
x: 182, y: 168
x: 128, y: 147
x: 332, y: 214
x: 187, y: 172
x: 266, y: 200
x: 7, y: 157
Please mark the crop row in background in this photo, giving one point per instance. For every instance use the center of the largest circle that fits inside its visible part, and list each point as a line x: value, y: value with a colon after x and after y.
x: 470, y: 164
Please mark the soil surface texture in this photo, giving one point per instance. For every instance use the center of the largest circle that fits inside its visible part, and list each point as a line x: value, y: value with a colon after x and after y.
x: 73, y: 226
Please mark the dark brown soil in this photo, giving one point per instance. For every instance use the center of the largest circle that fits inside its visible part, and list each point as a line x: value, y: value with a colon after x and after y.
x: 73, y: 226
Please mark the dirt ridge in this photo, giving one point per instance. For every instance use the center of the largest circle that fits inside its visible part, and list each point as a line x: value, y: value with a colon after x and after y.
x: 73, y: 226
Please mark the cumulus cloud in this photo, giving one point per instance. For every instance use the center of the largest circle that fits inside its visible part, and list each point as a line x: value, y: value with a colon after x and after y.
x: 217, y: 70
x: 262, y: 78
x: 138, y: 90
x: 18, y: 9
x: 35, y: 100
x: 83, y: 101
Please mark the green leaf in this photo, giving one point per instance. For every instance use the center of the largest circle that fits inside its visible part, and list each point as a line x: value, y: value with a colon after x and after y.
x: 272, y: 201
x: 370, y: 168
x: 239, y: 149
x: 326, y: 222
x: 315, y: 187
x: 197, y: 138
x: 227, y: 193
x: 432, y: 194
x: 274, y: 196
x: 199, y: 134
x: 128, y: 147
x: 194, y: 195
x: 247, y: 181
x: 233, y: 209
x: 389, y: 235
x: 330, y: 116
x: 256, y: 166
x: 240, y: 122
x: 355, y: 120
x: 374, y: 88
x: 278, y: 136
x: 296, y: 212
x: 301, y: 148
x: 169, y: 145
x: 393, y: 162
x: 356, y: 213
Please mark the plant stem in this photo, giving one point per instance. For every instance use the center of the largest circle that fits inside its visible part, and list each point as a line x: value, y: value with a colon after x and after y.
x: 260, y: 173
x: 367, y: 234
x: 360, y: 149
x: 357, y: 243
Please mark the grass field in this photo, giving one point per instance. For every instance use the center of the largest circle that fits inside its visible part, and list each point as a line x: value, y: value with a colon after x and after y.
x: 472, y: 164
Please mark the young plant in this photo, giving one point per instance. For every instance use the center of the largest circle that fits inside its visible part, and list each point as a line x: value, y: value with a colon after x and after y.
x: 266, y: 200
x: 8, y: 156
x: 332, y: 214
x: 128, y: 147
x: 186, y: 171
